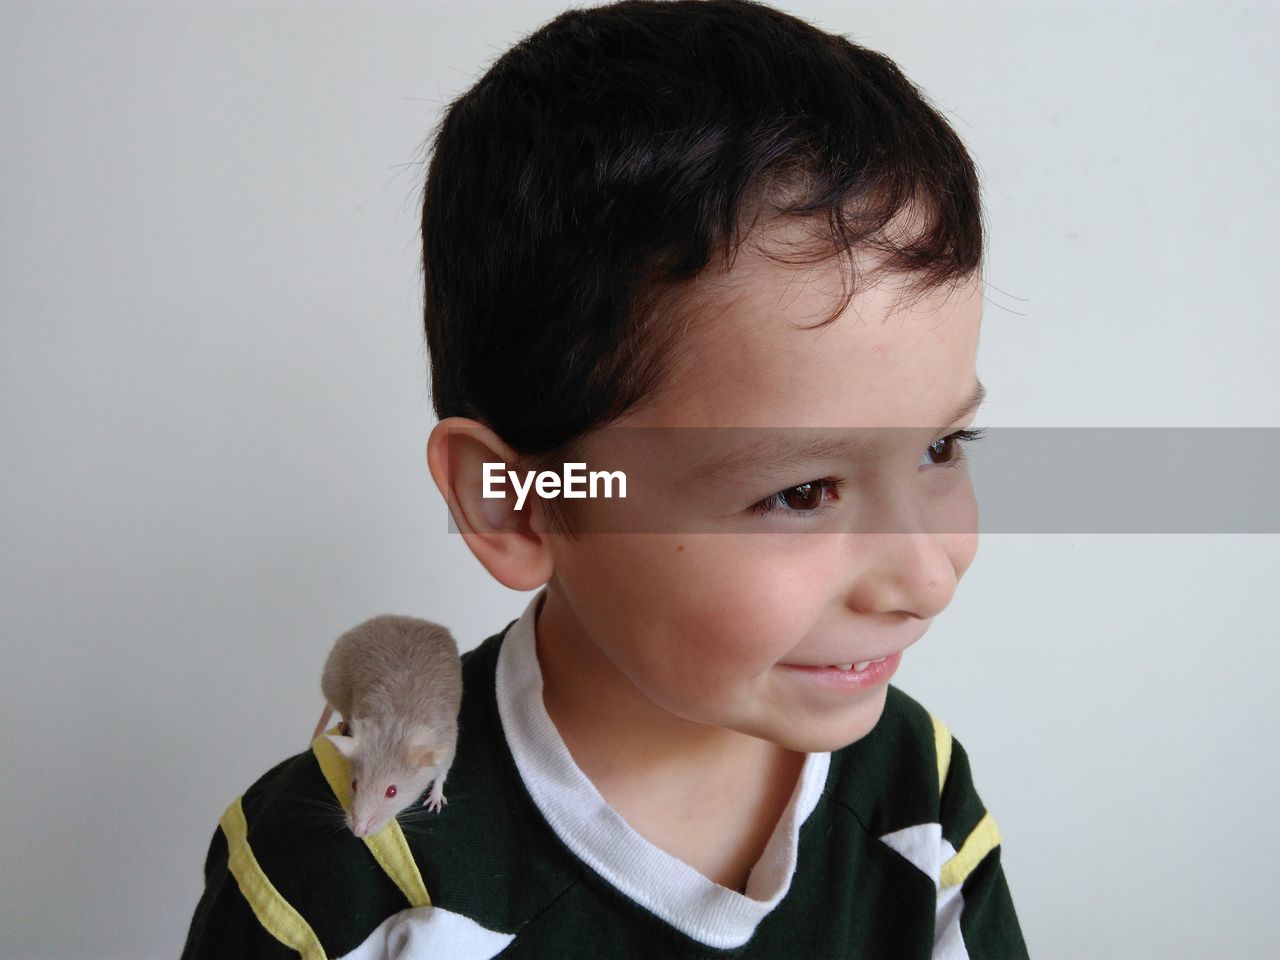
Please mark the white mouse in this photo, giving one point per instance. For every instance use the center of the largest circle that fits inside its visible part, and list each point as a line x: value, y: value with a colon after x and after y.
x: 397, y: 681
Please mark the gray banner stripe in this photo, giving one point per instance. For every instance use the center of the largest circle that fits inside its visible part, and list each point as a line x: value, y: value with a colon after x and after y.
x: 1024, y: 479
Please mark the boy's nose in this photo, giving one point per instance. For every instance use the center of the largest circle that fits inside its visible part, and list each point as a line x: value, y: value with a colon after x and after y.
x: 912, y: 573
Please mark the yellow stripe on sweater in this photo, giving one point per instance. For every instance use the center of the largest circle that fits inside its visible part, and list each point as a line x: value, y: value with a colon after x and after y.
x: 982, y: 839
x: 273, y: 911
x: 388, y: 846
x: 942, y: 750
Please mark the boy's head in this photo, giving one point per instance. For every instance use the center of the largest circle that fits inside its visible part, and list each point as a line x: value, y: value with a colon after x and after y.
x: 702, y: 214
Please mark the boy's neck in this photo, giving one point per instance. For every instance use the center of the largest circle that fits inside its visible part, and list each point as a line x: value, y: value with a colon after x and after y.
x: 709, y: 796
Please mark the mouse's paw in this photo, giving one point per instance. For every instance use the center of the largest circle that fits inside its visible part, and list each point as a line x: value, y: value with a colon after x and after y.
x: 435, y: 799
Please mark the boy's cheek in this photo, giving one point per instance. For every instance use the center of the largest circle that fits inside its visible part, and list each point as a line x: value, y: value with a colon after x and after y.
x: 744, y: 622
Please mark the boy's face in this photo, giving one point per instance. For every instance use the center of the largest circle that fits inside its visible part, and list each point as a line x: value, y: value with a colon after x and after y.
x: 702, y: 624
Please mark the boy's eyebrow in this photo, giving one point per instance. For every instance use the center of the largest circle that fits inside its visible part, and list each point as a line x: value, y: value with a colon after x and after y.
x: 972, y: 403
x: 801, y: 446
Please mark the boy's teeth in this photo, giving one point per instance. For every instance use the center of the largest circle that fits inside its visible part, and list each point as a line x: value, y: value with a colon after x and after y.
x: 857, y: 667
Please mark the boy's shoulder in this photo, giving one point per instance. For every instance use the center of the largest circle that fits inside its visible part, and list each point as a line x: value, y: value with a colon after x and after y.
x: 284, y: 872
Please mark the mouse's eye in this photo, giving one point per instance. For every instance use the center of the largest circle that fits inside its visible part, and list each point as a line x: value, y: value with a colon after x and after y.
x: 391, y: 791
x: 353, y: 786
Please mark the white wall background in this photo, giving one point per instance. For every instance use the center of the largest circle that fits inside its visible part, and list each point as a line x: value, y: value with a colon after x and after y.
x: 213, y: 405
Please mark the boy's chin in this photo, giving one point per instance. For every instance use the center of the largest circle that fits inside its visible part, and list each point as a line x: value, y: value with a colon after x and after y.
x: 841, y: 729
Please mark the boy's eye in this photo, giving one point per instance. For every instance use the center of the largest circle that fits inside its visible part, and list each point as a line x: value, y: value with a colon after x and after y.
x: 948, y: 451
x: 806, y: 498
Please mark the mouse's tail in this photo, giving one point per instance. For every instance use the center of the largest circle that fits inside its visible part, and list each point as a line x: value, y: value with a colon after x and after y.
x: 324, y: 718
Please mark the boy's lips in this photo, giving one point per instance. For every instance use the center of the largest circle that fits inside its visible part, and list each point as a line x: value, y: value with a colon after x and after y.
x: 834, y: 678
x: 862, y: 658
x: 838, y: 663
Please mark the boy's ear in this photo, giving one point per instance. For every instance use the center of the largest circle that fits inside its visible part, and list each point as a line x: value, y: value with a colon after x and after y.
x: 505, y: 540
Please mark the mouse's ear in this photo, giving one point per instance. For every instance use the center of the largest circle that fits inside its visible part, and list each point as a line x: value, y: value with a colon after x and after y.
x: 346, y: 745
x: 420, y: 747
x: 420, y: 756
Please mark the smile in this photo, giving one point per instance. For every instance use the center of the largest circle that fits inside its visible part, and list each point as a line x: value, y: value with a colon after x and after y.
x: 847, y: 677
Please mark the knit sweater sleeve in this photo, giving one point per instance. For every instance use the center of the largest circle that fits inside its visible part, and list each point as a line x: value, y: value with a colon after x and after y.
x: 224, y: 925
x: 976, y: 919
x: 282, y: 882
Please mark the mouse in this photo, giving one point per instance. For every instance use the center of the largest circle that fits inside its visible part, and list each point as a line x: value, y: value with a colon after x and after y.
x: 397, y: 681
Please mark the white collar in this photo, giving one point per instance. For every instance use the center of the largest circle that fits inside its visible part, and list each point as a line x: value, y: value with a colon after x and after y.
x: 661, y: 883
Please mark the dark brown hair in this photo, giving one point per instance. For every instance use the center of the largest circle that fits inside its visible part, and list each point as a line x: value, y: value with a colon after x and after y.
x: 600, y: 164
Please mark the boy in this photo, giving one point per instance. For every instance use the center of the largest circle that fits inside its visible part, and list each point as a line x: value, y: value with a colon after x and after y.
x: 687, y: 745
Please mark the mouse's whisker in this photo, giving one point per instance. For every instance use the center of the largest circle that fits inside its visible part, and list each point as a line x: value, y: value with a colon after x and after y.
x: 323, y: 815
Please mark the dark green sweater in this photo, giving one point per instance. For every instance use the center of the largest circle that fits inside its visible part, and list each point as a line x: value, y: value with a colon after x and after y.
x: 873, y: 858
